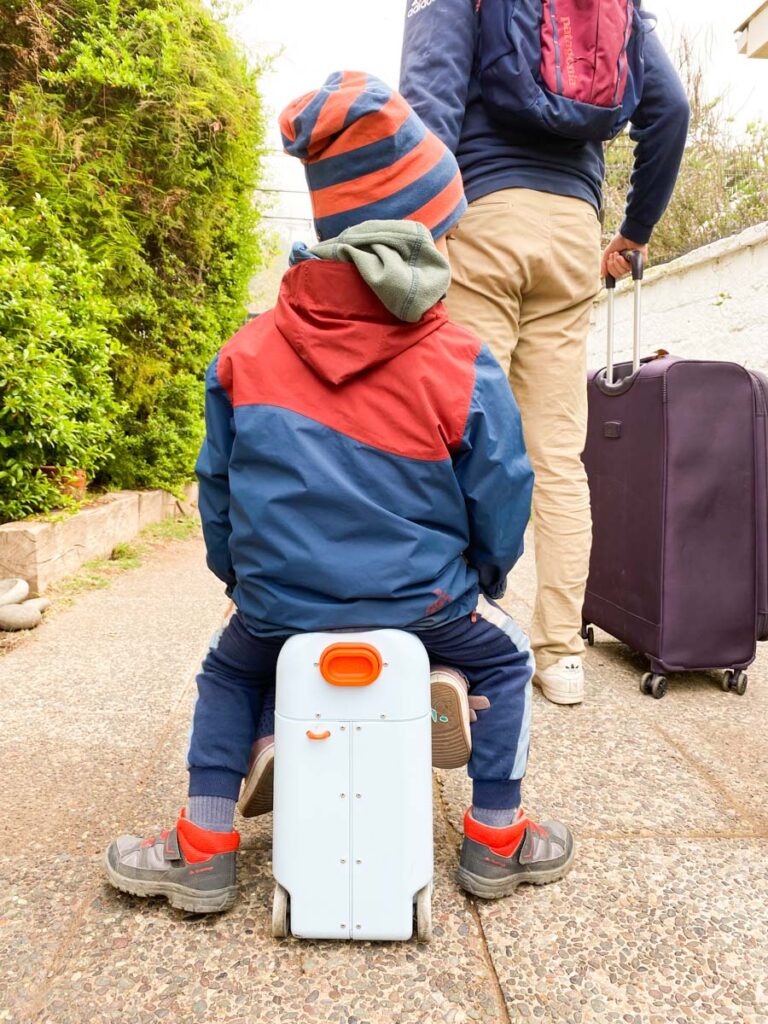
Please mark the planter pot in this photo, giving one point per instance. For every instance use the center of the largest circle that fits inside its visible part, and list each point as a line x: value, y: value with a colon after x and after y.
x: 70, y: 482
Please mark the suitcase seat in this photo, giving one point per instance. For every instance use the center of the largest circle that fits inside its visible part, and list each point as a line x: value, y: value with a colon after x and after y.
x: 352, y: 835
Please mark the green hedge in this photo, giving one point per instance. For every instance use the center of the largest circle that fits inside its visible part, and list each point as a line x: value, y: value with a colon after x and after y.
x: 130, y: 151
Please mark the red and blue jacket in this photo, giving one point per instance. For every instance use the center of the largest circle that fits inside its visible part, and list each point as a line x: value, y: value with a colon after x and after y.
x: 357, y: 470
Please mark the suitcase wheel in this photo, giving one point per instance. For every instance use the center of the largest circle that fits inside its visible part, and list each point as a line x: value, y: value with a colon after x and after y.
x: 423, y: 914
x: 653, y: 685
x: 281, y: 913
x: 735, y: 680
x: 588, y: 634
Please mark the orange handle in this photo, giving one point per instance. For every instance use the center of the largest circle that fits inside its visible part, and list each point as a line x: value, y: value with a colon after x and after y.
x: 350, y: 664
x: 318, y: 735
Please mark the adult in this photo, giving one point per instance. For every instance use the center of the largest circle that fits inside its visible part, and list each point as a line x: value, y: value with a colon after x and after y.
x: 525, y: 261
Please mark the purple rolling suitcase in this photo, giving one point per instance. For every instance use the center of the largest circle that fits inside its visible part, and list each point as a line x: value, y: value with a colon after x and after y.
x: 677, y: 462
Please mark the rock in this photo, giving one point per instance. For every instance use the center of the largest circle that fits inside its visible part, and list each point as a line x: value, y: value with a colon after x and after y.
x: 13, y: 590
x: 19, y: 616
x: 40, y: 604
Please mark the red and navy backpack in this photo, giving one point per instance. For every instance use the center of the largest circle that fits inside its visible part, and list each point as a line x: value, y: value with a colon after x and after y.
x: 572, y: 68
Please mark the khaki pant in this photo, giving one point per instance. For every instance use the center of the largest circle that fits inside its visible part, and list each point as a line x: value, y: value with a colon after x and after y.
x: 525, y: 269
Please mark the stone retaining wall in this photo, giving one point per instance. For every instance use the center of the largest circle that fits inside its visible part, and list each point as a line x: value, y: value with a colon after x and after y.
x: 710, y: 304
x: 42, y: 552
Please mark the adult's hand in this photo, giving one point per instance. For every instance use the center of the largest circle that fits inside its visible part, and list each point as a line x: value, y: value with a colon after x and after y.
x: 613, y: 262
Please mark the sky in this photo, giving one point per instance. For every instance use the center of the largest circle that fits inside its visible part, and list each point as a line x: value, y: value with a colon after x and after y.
x: 311, y: 38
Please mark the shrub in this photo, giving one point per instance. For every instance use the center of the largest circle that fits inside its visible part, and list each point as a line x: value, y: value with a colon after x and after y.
x: 132, y: 136
x: 723, y: 183
x: 55, y: 346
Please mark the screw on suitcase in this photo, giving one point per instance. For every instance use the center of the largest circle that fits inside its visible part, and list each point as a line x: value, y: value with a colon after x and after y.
x: 675, y: 457
x: 352, y: 835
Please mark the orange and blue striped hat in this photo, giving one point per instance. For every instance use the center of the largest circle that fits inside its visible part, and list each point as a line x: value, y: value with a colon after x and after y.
x: 367, y: 155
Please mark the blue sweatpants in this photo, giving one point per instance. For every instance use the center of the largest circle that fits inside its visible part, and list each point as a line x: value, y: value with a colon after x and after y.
x: 487, y: 647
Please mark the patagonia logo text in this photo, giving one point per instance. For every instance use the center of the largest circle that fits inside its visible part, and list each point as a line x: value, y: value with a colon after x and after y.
x: 570, y: 59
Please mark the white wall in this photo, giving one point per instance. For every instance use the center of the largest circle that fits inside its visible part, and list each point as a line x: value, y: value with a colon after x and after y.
x: 710, y: 304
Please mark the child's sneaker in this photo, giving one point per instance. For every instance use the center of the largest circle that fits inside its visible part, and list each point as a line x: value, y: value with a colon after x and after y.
x: 494, y: 861
x: 451, y: 739
x: 453, y: 710
x: 258, y: 789
x: 193, y: 868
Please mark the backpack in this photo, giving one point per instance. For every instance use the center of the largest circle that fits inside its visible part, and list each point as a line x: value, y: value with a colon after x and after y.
x: 572, y: 68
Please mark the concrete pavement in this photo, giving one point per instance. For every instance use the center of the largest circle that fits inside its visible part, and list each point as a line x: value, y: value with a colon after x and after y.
x: 664, y: 919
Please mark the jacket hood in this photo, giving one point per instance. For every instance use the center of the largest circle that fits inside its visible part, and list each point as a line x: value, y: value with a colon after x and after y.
x: 397, y: 259
x: 330, y: 314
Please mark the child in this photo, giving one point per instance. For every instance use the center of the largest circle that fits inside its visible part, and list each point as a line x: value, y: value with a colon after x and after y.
x: 364, y: 466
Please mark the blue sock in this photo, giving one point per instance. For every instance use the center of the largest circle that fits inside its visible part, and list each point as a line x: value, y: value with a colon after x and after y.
x: 214, y: 813
x: 496, y: 817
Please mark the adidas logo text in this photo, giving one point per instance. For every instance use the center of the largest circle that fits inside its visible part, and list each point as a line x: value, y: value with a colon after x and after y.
x: 418, y: 5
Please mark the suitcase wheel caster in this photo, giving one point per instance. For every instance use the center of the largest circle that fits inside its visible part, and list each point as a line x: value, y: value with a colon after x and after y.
x: 588, y: 634
x: 281, y: 913
x: 653, y: 685
x: 735, y: 680
x: 422, y: 913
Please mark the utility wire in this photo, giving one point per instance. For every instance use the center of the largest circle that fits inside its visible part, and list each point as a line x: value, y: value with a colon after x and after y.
x: 299, y: 220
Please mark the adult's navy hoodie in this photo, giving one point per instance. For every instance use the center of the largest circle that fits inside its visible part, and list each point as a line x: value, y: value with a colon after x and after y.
x: 439, y: 79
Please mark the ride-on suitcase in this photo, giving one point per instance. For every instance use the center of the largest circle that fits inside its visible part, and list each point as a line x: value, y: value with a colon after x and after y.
x: 352, y: 831
x: 676, y: 460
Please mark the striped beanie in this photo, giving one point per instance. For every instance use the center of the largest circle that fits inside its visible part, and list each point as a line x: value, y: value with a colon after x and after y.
x: 368, y: 156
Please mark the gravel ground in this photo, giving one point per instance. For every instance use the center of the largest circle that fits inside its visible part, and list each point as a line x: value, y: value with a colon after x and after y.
x: 664, y: 919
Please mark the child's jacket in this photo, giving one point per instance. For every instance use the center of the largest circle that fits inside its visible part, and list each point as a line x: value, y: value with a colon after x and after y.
x: 358, y: 470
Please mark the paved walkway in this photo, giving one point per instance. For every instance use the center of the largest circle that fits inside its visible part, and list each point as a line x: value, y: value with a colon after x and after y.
x: 664, y: 920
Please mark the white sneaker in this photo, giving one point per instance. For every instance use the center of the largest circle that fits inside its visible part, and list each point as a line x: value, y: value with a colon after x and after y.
x: 563, y: 682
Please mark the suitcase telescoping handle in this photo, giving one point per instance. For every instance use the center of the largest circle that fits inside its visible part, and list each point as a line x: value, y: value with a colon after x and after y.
x: 635, y: 258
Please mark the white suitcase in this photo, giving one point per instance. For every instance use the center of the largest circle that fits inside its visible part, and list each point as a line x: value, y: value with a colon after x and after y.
x: 352, y: 829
